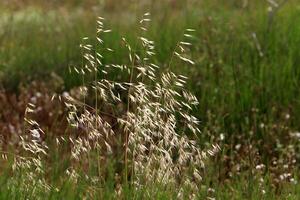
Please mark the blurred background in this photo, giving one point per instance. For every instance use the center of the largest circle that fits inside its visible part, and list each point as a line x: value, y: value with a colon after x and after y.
x: 246, y: 73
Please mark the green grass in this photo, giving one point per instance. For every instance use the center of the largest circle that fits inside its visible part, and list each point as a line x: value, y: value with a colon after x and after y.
x: 230, y: 77
x: 238, y: 189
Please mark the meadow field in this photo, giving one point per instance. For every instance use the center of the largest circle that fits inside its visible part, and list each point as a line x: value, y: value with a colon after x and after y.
x: 149, y: 99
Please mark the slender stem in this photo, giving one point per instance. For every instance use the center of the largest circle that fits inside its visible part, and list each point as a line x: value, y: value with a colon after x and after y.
x: 127, y: 134
x: 96, y: 94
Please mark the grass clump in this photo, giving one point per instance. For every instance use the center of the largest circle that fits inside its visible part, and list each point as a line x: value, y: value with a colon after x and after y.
x: 128, y: 137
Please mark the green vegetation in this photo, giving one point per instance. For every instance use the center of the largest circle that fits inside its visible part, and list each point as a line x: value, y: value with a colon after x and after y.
x: 246, y: 77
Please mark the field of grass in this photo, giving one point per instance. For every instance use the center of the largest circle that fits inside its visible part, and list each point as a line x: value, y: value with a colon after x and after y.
x: 245, y: 74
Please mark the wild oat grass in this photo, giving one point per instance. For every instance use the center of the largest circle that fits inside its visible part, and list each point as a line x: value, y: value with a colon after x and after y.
x: 144, y: 124
x: 153, y: 120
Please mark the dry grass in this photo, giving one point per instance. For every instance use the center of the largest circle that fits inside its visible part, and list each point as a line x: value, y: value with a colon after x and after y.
x: 143, y: 124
